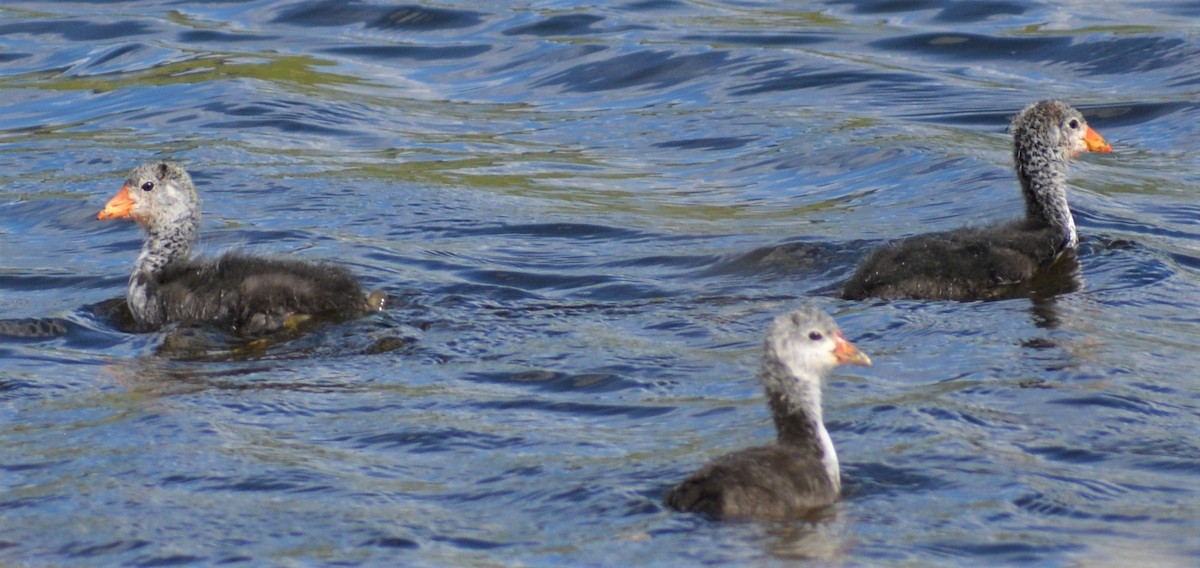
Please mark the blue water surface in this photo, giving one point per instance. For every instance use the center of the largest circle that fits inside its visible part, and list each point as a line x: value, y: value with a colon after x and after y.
x: 585, y: 215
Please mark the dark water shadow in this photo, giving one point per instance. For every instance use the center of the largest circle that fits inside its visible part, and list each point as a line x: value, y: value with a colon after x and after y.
x: 805, y: 261
x: 555, y: 381
x: 863, y: 480
x: 411, y: 18
x: 565, y: 25
x: 1111, y: 56
x: 319, y: 337
x: 80, y: 30
x: 822, y: 79
x: 647, y: 69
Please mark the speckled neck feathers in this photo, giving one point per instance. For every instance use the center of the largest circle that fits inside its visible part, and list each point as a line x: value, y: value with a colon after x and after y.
x: 1042, y: 155
x: 168, y: 208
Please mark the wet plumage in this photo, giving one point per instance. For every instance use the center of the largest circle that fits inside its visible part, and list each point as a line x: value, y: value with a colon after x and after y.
x: 249, y: 295
x: 799, y: 472
x: 979, y: 263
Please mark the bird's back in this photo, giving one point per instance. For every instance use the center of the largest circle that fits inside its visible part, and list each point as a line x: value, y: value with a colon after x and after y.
x: 252, y: 294
x: 966, y: 264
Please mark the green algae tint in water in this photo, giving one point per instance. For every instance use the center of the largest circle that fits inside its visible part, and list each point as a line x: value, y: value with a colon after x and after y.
x: 586, y: 216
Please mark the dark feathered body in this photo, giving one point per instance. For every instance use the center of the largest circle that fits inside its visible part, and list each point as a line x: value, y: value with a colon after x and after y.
x: 800, y: 472
x: 765, y: 482
x: 249, y: 294
x: 979, y: 264
x: 966, y: 264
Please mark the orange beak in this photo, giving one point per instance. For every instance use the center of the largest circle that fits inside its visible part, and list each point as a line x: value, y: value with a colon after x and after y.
x: 119, y: 207
x: 847, y: 354
x: 1095, y: 142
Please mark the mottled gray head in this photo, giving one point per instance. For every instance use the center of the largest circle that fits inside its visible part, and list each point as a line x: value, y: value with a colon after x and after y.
x: 1053, y: 129
x: 156, y: 195
x: 807, y: 343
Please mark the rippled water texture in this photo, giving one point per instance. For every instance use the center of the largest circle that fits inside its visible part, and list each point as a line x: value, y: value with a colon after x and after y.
x: 585, y: 215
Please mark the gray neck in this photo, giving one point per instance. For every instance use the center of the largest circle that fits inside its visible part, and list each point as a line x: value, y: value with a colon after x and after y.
x: 164, y: 246
x: 798, y: 417
x: 1042, y: 172
x: 165, y: 243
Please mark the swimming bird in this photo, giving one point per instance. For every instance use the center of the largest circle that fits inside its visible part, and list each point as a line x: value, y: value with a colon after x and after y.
x: 798, y: 473
x: 979, y: 263
x: 248, y: 295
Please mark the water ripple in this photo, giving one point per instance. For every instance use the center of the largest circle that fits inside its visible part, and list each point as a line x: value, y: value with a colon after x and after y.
x: 585, y: 216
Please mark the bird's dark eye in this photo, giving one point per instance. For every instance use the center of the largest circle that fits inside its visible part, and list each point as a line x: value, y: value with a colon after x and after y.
x: 1074, y: 124
x: 148, y: 186
x: 815, y: 335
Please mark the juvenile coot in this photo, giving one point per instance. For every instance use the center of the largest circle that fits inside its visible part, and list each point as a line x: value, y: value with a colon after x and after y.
x: 249, y: 295
x: 978, y: 263
x: 799, y: 472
